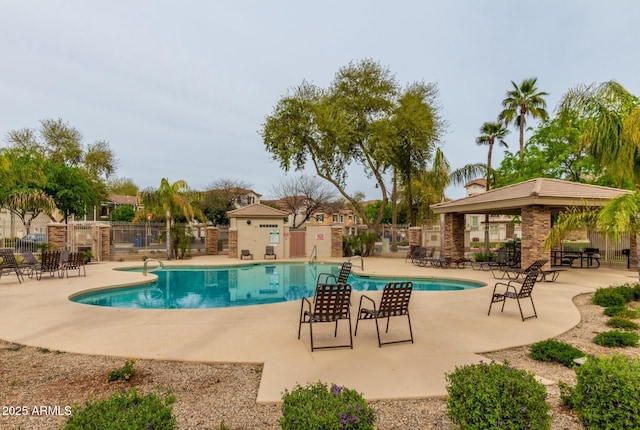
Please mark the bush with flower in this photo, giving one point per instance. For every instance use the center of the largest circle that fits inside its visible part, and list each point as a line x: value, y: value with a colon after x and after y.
x: 322, y: 407
x: 124, y: 373
x: 490, y: 396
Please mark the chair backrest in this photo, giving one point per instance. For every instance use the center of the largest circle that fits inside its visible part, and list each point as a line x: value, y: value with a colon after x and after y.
x: 75, y: 260
x: 50, y: 260
x: 432, y: 252
x: 29, y: 258
x: 332, y: 302
x: 501, y: 257
x: 536, y: 265
x: 345, y: 270
x: 527, y: 285
x: 395, y: 299
x: 8, y: 258
x: 245, y: 252
x: 269, y: 250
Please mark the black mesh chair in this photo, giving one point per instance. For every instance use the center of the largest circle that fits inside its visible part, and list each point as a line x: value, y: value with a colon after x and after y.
x: 394, y: 303
x: 10, y: 264
x: 516, y: 290
x: 50, y: 264
x: 330, y: 304
x: 341, y: 278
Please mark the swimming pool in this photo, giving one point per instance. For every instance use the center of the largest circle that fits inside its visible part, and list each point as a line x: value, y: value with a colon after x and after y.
x: 190, y: 287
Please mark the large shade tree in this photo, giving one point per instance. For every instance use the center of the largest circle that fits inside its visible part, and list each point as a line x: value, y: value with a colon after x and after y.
x: 348, y: 123
x: 170, y: 200
x: 522, y: 101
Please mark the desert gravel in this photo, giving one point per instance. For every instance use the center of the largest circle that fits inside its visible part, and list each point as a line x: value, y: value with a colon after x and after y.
x: 45, y: 382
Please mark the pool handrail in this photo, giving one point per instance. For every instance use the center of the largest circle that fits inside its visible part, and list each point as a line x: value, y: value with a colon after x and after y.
x: 314, y: 254
x: 144, y: 268
x: 361, y: 261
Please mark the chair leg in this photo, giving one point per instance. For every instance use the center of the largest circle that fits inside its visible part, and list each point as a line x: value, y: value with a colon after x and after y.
x: 410, y: 330
x: 378, y: 332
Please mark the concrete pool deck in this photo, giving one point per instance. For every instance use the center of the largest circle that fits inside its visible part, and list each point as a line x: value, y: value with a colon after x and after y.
x: 451, y: 328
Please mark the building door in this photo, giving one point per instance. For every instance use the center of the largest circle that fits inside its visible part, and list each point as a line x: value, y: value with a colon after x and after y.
x: 297, y: 243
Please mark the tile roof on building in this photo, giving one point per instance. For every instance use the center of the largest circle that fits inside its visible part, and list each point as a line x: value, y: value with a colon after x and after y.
x: 541, y: 191
x: 257, y: 210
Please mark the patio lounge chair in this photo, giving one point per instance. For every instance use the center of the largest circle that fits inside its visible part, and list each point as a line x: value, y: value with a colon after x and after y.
x: 10, y: 264
x: 246, y: 253
x: 270, y: 252
x: 516, y: 273
x: 330, y: 305
x: 341, y: 278
x: 516, y: 290
x: 394, y: 303
x: 423, y: 256
x: 50, y: 264
x: 75, y: 261
x: 30, y: 264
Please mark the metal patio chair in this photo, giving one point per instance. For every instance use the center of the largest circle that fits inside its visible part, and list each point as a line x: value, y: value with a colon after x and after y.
x: 341, y: 278
x: 10, y: 264
x: 75, y: 261
x: 50, y: 264
x: 270, y: 252
x: 330, y: 304
x: 516, y: 290
x: 394, y: 303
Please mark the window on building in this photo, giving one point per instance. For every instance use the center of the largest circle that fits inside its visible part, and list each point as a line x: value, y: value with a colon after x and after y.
x: 334, y: 218
x: 341, y: 219
x: 474, y: 221
x: 320, y: 218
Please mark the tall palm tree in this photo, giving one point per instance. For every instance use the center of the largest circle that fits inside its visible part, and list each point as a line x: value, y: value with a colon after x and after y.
x: 170, y: 199
x: 522, y: 101
x: 491, y: 131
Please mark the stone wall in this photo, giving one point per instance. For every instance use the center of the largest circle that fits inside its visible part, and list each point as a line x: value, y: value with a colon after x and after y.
x: 233, y: 243
x: 336, y: 241
x: 211, y: 241
x: 536, y: 223
x: 454, y: 228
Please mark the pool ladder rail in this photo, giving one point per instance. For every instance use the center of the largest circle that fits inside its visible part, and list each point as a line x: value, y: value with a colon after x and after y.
x: 356, y: 257
x: 145, y: 270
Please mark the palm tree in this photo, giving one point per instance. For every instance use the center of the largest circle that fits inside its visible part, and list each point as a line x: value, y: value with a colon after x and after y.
x: 170, y: 199
x: 522, y: 101
x: 611, y: 133
x: 491, y: 131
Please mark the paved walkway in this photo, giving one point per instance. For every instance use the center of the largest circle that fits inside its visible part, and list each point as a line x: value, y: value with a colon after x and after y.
x: 450, y: 328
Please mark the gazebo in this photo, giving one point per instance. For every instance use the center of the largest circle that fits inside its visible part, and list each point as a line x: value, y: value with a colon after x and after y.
x: 535, y: 200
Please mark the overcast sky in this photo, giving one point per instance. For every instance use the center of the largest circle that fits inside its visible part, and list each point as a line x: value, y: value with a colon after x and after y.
x: 180, y: 89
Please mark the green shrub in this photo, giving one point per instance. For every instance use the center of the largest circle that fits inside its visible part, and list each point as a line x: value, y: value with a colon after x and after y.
x: 320, y: 407
x: 607, y: 297
x: 555, y: 351
x: 124, y: 373
x: 489, y: 396
x: 622, y: 323
x: 612, y: 311
x: 607, y: 393
x: 614, y: 338
x: 128, y: 410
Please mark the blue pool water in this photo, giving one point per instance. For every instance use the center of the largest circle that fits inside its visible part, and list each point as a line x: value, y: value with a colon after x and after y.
x: 261, y: 283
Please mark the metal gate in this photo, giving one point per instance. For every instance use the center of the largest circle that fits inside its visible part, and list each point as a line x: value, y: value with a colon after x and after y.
x: 297, y: 243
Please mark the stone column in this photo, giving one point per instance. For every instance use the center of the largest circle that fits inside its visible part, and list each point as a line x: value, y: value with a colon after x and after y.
x: 336, y: 241
x: 57, y: 236
x: 415, y: 237
x: 233, y: 243
x: 104, y: 253
x: 211, y: 241
x: 454, y: 226
x: 536, y: 224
